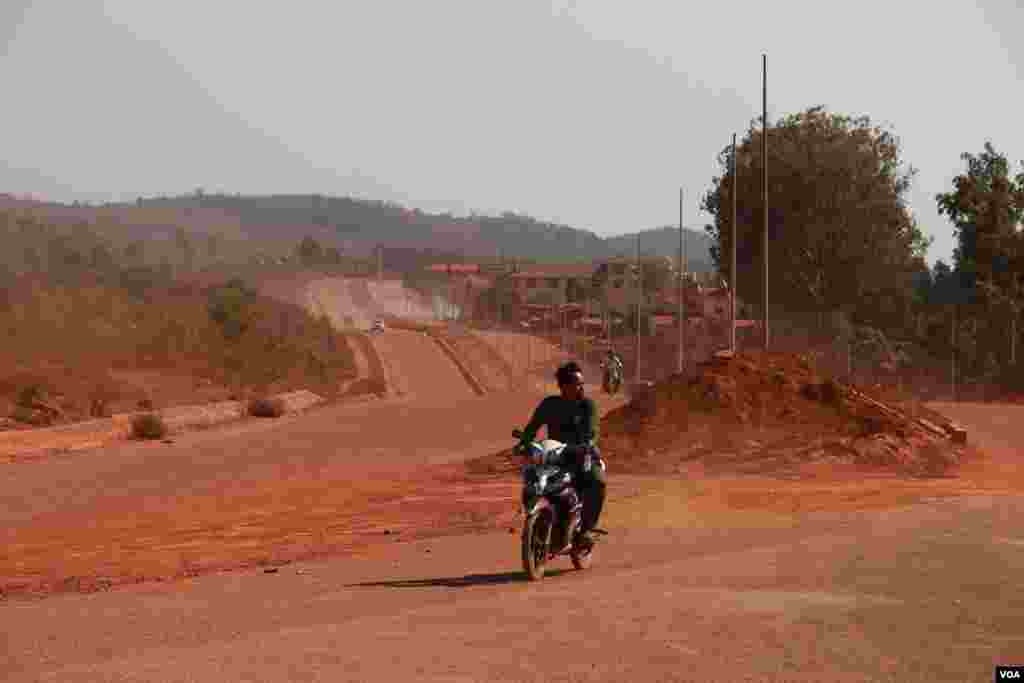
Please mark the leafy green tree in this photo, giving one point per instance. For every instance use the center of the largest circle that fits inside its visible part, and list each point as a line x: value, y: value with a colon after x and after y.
x: 983, y: 199
x: 839, y: 232
x: 230, y: 307
x: 986, y: 207
x: 656, y: 274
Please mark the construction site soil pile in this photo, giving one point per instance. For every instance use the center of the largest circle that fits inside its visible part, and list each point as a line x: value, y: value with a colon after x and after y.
x: 760, y: 412
x: 767, y: 414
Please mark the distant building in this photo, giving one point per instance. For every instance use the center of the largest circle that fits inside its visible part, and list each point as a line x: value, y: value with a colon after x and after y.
x: 554, y: 284
x: 455, y: 268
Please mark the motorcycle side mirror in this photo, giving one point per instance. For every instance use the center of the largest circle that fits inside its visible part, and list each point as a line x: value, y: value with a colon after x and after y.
x: 517, y: 434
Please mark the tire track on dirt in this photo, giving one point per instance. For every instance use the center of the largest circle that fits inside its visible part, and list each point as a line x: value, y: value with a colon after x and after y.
x: 375, y: 380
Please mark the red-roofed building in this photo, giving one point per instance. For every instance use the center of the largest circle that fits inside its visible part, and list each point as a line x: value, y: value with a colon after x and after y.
x: 455, y: 268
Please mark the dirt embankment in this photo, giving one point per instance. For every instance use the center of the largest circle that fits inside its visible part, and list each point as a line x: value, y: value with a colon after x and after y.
x: 493, y: 371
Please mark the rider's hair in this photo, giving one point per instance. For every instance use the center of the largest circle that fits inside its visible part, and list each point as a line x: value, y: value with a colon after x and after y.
x: 565, y: 372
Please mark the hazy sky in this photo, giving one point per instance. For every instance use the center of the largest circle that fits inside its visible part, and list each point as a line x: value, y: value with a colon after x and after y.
x: 590, y: 113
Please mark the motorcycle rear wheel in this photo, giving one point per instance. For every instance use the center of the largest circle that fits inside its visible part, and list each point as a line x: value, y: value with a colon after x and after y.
x: 536, y: 532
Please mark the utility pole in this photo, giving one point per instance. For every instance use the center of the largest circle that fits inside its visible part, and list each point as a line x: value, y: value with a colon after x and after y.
x: 764, y: 197
x: 639, y: 296
x: 734, y: 276
x: 682, y: 271
x: 952, y: 355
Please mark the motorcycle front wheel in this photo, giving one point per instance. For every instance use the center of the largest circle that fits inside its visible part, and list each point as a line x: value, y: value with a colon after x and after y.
x: 536, y: 538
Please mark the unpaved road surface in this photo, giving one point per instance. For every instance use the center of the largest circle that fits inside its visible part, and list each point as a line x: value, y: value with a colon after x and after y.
x: 680, y: 591
x: 417, y: 368
x: 995, y: 427
x: 923, y: 594
x: 414, y: 365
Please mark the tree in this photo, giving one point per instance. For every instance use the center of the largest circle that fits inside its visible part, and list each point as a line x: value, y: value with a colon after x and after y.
x: 499, y: 300
x: 230, y: 307
x: 188, y: 251
x: 333, y: 256
x: 839, y: 232
x: 212, y: 247
x: 976, y: 193
x: 576, y: 292
x: 656, y: 274
x: 309, y: 252
x: 986, y: 207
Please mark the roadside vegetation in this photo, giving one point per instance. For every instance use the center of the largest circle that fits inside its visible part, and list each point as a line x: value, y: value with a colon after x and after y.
x: 89, y: 327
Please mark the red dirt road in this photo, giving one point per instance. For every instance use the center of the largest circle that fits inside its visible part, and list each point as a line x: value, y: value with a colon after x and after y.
x: 683, y: 590
x: 416, y: 367
x: 923, y: 594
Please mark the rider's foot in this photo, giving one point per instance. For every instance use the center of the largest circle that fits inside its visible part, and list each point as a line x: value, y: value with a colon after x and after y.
x: 585, y: 539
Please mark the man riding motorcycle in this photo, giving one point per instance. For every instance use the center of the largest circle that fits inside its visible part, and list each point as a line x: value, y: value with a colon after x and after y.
x: 613, y: 362
x: 614, y: 371
x: 571, y: 417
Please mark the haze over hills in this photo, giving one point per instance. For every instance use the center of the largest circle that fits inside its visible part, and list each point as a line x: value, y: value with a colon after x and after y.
x: 274, y: 224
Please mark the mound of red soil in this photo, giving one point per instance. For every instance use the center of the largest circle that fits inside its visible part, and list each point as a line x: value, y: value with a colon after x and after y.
x: 759, y: 412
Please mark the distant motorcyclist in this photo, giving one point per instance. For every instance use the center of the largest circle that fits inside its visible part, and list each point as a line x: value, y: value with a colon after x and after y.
x: 614, y: 362
x: 614, y: 371
x: 572, y: 418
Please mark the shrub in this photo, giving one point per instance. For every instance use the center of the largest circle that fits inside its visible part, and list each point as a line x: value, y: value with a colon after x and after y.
x: 266, y: 407
x: 148, y: 426
x: 29, y: 395
x: 24, y: 415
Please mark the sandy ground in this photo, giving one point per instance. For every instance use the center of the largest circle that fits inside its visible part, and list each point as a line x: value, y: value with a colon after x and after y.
x: 701, y: 579
x: 926, y: 593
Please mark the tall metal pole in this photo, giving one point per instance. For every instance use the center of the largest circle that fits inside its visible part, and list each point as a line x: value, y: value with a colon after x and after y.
x: 681, y: 271
x: 952, y: 355
x: 764, y: 197
x: 639, y: 295
x: 733, y: 276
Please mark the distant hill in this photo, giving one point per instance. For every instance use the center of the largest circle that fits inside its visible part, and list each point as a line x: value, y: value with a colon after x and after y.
x: 276, y: 223
x: 665, y: 242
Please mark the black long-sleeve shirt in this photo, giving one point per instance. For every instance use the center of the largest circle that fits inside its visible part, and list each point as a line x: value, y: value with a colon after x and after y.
x: 571, y: 421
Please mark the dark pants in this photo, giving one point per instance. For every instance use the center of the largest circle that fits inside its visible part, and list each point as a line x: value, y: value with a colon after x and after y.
x: 591, y: 486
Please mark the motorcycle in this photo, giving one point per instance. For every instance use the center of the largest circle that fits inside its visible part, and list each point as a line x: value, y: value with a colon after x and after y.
x: 553, y: 510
